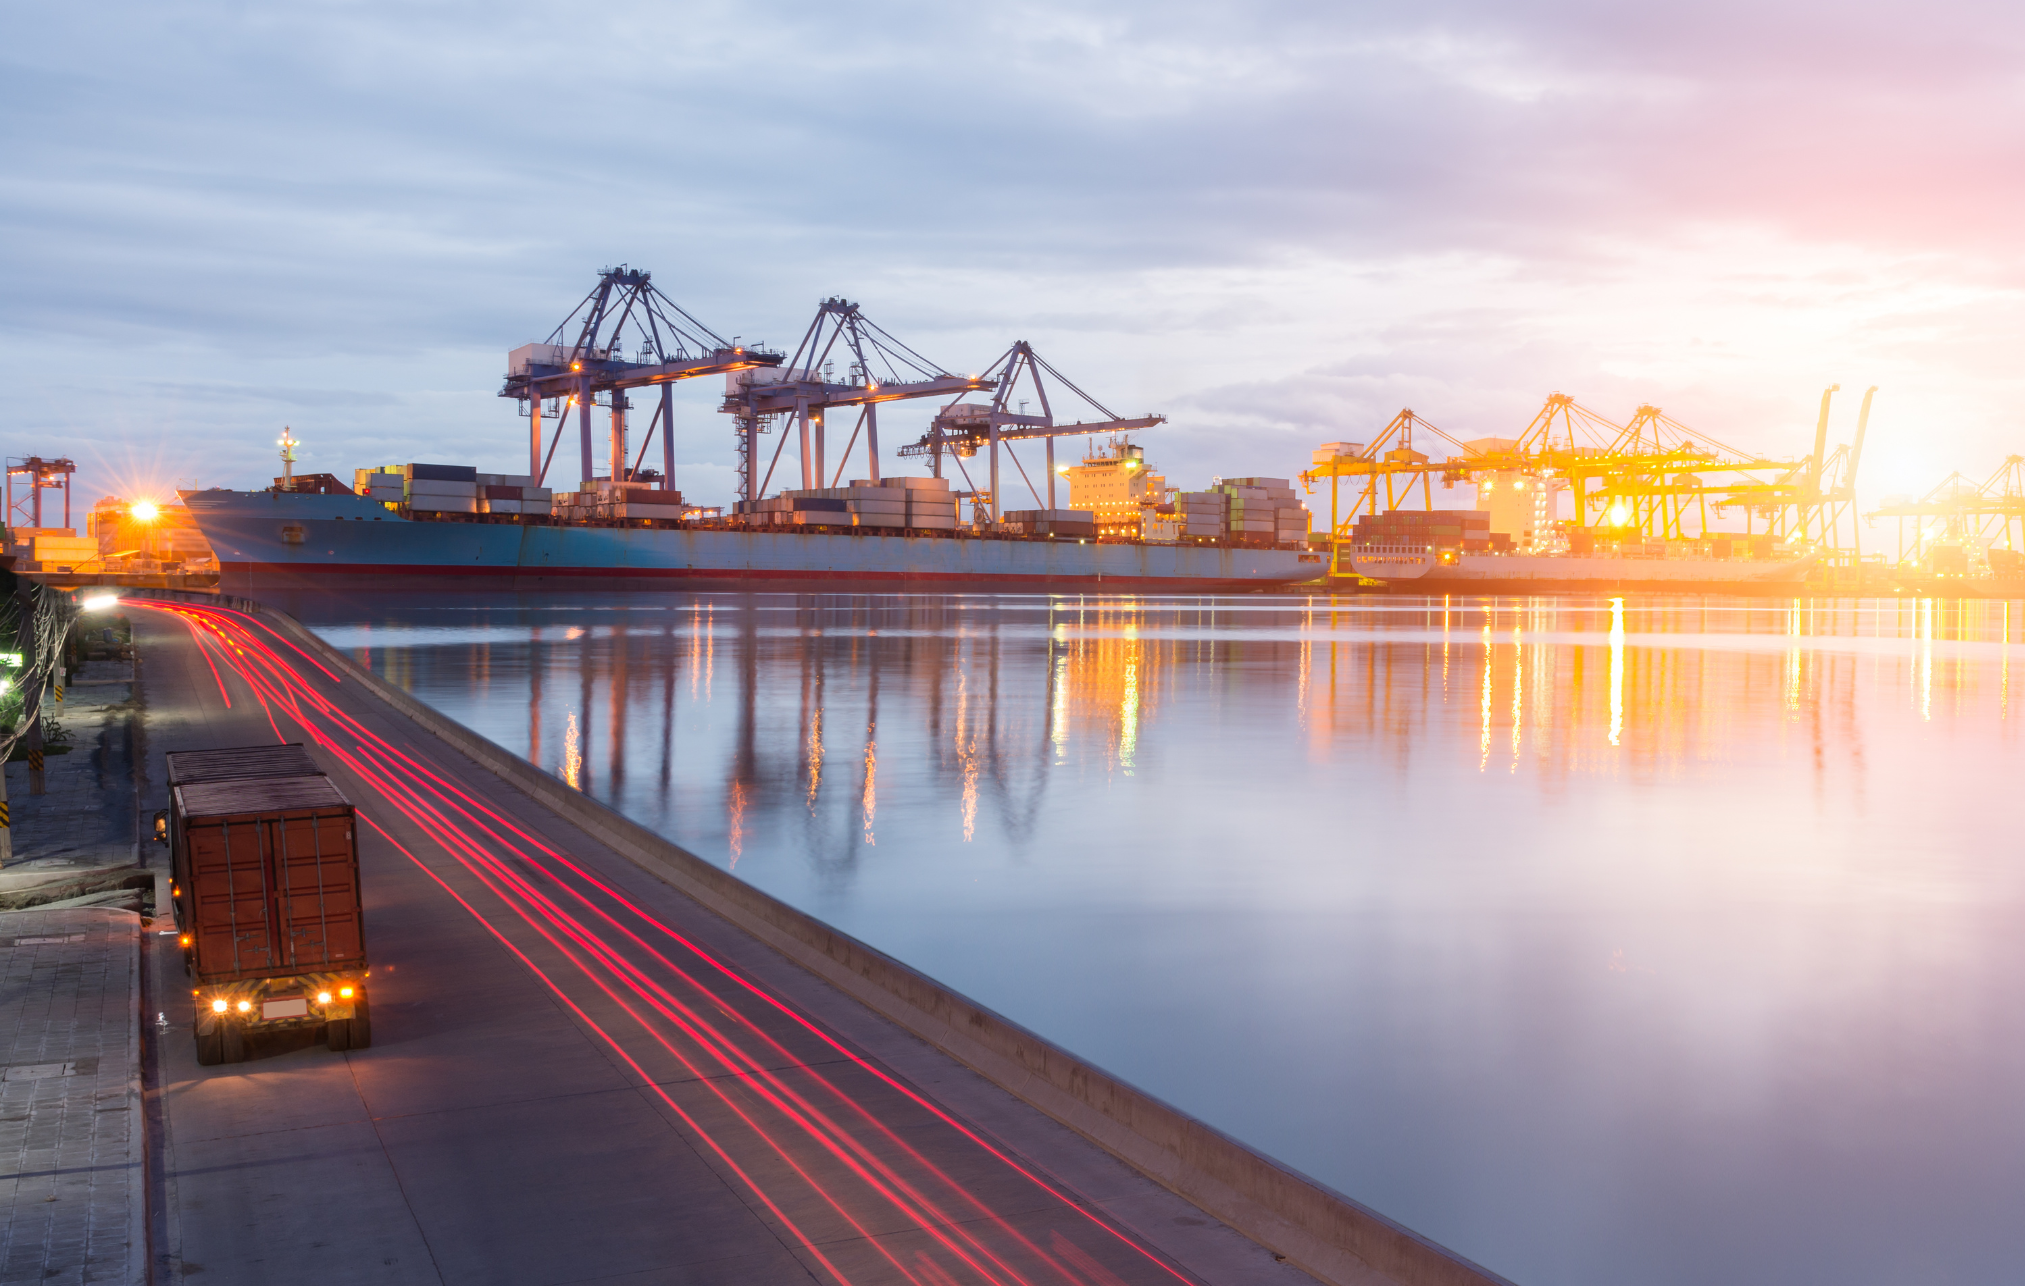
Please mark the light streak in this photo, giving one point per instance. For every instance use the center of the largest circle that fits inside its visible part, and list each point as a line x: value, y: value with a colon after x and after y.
x: 499, y: 854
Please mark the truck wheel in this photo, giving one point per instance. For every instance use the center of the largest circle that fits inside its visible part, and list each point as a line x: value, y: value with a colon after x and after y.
x: 337, y: 1035
x: 362, y: 1025
x: 232, y: 1042
x: 211, y: 1048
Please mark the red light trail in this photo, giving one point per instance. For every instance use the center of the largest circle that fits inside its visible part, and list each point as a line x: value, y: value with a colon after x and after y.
x: 830, y: 1141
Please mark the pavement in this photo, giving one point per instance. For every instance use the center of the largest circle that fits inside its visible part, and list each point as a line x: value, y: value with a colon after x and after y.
x: 72, y: 1184
x: 72, y: 1143
x: 578, y: 1075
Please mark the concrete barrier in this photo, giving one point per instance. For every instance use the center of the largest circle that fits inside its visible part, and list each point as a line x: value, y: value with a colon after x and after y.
x: 1332, y: 1237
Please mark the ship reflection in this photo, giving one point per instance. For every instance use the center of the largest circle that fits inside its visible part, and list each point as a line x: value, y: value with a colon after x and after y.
x: 960, y: 713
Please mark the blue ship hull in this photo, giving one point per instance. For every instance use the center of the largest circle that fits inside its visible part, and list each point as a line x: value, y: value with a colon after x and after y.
x: 270, y: 540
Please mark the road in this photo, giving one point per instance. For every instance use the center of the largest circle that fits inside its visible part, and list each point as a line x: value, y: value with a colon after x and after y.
x: 579, y: 1075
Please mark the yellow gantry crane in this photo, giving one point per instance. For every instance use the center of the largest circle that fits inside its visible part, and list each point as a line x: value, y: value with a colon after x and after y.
x: 1964, y: 513
x: 1652, y: 478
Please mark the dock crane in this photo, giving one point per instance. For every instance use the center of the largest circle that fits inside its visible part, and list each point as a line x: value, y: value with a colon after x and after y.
x: 584, y: 358
x: 879, y: 369
x: 1961, y: 511
x: 961, y: 428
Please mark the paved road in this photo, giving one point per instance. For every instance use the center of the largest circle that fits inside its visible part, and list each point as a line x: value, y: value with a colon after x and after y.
x: 578, y: 1075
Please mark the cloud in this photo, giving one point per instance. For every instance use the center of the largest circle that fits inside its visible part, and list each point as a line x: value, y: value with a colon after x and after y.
x: 1273, y: 219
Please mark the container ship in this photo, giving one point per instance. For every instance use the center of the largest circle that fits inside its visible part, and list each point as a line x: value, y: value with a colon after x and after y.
x: 1454, y: 551
x: 432, y: 525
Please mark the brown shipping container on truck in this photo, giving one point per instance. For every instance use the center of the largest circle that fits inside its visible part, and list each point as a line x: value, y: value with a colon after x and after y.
x: 290, y: 760
x: 269, y: 911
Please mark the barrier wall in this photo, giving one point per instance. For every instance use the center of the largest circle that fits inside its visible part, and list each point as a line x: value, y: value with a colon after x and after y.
x: 1324, y: 1232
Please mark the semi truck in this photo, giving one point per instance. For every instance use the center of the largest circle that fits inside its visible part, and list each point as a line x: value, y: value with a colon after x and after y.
x: 265, y: 880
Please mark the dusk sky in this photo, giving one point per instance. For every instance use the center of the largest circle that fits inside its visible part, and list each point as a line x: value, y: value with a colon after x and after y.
x: 1277, y: 224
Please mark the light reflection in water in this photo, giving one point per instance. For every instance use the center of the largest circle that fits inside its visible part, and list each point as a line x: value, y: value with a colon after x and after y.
x: 573, y: 760
x: 1616, y: 671
x: 1719, y: 981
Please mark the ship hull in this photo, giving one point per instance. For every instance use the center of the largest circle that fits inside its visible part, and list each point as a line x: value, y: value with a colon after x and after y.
x: 1567, y: 574
x: 274, y: 541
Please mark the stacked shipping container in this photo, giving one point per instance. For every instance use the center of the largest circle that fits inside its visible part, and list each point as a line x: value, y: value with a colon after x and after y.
x: 1466, y: 529
x: 452, y: 488
x: 1079, y: 523
x: 1258, y: 511
x: 917, y: 504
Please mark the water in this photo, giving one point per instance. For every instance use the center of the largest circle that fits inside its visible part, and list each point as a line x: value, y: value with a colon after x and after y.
x: 1677, y: 942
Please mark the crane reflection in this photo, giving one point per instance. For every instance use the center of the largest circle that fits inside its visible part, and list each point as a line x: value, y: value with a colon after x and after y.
x: 964, y: 713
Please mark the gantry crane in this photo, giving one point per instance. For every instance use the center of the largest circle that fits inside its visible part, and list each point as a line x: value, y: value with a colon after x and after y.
x: 962, y: 428
x: 1643, y: 478
x: 585, y: 357
x: 38, y: 475
x: 1963, y: 511
x: 879, y: 368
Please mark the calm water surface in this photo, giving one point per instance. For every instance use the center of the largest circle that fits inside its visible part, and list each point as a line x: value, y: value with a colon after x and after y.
x: 1669, y: 942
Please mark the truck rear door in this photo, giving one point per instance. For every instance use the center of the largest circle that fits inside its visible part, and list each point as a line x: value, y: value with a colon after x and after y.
x: 229, y: 897
x: 316, y: 891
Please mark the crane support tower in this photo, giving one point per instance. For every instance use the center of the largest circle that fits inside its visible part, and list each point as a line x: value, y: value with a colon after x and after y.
x: 584, y: 359
x: 961, y: 428
x: 878, y: 369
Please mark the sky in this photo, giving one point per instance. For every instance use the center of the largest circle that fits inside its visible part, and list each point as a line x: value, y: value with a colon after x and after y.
x: 1276, y: 224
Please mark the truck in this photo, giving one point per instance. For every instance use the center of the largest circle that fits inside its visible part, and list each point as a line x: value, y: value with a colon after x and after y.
x: 265, y: 882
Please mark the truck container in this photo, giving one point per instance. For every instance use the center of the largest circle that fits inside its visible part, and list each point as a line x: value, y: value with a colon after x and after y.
x: 266, y: 888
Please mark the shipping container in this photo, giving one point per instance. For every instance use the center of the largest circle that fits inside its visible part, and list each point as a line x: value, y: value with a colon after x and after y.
x: 265, y: 881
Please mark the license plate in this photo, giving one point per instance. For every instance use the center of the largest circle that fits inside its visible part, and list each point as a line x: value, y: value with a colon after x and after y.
x: 293, y: 1007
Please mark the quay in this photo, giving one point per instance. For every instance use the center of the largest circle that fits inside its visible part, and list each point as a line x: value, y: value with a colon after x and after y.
x: 597, y: 1058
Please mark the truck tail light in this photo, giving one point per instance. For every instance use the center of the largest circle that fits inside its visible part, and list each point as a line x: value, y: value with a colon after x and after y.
x: 245, y: 1006
x: 218, y: 1005
x: 323, y: 997
x: 346, y: 992
x: 183, y: 941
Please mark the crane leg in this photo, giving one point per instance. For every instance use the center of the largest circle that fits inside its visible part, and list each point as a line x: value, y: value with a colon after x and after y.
x: 872, y: 441
x: 808, y: 462
x: 667, y: 438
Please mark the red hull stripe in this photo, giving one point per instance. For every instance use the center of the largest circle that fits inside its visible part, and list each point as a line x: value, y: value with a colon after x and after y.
x: 312, y: 572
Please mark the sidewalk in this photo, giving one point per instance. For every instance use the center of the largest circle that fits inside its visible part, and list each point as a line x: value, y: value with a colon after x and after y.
x: 72, y: 1185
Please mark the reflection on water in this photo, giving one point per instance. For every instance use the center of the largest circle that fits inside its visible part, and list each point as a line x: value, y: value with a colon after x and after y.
x: 1603, y: 940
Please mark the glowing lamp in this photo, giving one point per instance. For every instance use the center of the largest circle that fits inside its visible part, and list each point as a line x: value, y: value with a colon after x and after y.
x: 99, y: 602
